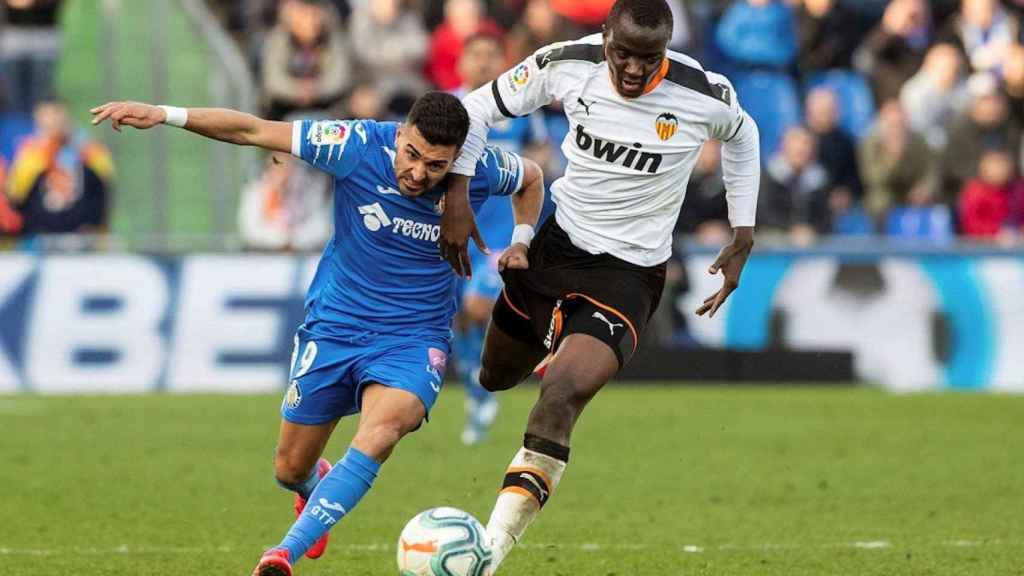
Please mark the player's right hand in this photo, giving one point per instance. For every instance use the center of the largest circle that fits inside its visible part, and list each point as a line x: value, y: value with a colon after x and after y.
x: 134, y: 114
x: 514, y: 258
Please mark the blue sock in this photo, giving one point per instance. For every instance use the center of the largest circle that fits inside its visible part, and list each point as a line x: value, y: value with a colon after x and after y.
x: 304, y: 488
x: 472, y: 347
x: 334, y: 497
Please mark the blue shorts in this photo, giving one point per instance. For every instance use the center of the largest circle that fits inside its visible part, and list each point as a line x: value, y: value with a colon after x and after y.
x: 486, y: 281
x: 328, y: 374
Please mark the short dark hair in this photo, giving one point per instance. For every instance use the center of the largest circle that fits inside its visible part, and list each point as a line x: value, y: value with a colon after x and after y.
x: 441, y: 119
x: 645, y: 13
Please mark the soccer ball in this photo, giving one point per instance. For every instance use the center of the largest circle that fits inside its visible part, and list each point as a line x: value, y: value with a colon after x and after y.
x: 444, y: 542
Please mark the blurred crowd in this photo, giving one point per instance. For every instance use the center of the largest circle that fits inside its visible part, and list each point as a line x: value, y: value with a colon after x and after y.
x: 879, y: 118
x: 899, y: 118
x: 54, y: 178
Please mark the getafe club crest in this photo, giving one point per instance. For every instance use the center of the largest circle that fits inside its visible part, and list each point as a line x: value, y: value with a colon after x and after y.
x: 666, y: 125
x: 293, y: 397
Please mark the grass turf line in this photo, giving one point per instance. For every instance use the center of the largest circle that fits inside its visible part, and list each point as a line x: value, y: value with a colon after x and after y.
x: 688, y: 481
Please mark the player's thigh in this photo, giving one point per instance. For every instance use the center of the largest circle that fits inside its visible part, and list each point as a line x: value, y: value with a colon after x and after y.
x: 508, y: 358
x: 581, y: 366
x: 299, y: 446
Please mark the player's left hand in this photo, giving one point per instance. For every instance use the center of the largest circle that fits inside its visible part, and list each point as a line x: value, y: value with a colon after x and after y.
x: 514, y: 258
x: 730, y: 261
x: 135, y: 114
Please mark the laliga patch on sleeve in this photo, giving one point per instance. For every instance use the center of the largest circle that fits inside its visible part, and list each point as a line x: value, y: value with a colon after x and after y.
x: 518, y: 77
x: 329, y: 133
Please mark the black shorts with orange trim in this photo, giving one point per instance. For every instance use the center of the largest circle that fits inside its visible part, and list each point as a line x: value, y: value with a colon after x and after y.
x: 567, y: 290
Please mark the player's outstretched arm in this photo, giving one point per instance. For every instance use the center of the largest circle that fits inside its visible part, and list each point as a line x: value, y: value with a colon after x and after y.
x: 217, y: 123
x: 741, y: 171
x: 526, y: 206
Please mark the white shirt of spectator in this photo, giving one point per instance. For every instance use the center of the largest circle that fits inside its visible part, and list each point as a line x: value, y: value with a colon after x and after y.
x: 629, y: 159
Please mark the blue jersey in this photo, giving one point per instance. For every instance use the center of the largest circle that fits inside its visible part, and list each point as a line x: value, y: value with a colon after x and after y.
x: 381, y: 272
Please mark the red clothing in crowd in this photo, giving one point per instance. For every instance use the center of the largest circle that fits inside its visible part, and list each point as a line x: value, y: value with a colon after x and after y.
x: 585, y: 12
x: 445, y: 50
x: 984, y: 208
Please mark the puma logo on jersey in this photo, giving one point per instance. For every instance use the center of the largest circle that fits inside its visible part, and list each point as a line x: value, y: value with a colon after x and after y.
x: 617, y: 154
x: 611, y: 325
x: 388, y: 190
x: 586, y: 107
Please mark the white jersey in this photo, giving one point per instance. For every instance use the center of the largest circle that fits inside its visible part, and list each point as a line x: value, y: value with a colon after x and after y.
x: 630, y: 159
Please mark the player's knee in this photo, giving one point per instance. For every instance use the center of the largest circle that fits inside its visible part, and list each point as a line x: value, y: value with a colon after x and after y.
x: 498, y: 379
x: 563, y: 385
x: 377, y: 441
x: 290, y: 470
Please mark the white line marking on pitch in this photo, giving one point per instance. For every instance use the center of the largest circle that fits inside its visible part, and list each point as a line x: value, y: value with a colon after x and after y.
x: 382, y: 547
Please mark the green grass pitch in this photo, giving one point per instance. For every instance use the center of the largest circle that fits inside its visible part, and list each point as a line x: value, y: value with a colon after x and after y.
x: 663, y: 481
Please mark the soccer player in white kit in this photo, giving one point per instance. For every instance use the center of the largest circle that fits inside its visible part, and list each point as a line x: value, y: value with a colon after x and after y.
x: 638, y: 116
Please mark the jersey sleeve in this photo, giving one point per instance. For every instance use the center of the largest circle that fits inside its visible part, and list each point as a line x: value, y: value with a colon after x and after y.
x: 334, y: 146
x: 503, y: 171
x: 741, y: 153
x: 533, y: 83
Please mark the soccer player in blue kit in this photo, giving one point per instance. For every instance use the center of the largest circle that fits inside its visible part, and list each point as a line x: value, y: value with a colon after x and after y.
x: 378, y: 313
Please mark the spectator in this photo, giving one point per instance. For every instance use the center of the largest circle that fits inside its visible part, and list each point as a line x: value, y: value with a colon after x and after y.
x: 10, y: 220
x: 987, y: 123
x: 539, y: 26
x: 985, y: 32
x: 29, y: 47
x: 1013, y: 82
x: 895, y: 163
x: 365, y: 102
x: 287, y: 208
x: 829, y: 34
x: 463, y: 18
x: 984, y: 206
x: 937, y: 94
x: 793, y: 195
x: 893, y: 51
x: 846, y: 216
x: 60, y: 180
x: 836, y: 151
x: 389, y: 45
x: 705, y: 212
x: 921, y: 218
x: 758, y: 33
x: 305, y: 61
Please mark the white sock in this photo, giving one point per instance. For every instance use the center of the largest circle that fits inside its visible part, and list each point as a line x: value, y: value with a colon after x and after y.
x: 529, y: 482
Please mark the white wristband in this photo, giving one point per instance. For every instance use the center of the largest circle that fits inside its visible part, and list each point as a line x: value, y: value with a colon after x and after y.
x: 175, y: 116
x: 522, y: 234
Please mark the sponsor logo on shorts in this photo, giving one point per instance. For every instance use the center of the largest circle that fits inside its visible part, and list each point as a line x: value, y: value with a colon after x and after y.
x: 293, y: 397
x: 437, y: 363
x: 611, y: 325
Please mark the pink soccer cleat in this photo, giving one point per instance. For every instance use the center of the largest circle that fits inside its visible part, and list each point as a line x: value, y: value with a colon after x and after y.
x: 274, y: 562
